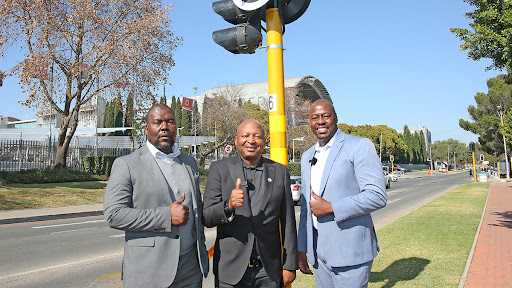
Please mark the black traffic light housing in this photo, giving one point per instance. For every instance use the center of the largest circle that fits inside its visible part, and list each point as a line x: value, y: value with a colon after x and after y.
x: 246, y: 37
x: 472, y: 147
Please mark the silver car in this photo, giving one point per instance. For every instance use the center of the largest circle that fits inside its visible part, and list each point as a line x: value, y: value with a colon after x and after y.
x: 295, y: 186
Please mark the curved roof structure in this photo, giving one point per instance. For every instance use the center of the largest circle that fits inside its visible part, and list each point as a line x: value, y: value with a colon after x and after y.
x: 309, y: 87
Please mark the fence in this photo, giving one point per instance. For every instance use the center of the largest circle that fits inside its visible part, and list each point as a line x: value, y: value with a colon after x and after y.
x: 20, y: 154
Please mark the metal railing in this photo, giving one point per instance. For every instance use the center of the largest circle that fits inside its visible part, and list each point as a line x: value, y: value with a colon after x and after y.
x: 16, y: 155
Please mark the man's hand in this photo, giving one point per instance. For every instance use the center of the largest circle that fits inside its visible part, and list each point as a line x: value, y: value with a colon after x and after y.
x: 179, y: 213
x: 237, y: 196
x: 320, y: 207
x: 288, y: 277
x: 303, y: 263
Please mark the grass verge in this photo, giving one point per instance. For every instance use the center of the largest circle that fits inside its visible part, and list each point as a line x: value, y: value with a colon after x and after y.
x: 428, y: 247
x: 20, y: 196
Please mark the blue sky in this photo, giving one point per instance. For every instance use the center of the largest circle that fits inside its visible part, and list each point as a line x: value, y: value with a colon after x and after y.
x: 389, y: 62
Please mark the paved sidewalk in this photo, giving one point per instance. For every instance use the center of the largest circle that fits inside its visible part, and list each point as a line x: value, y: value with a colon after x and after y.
x: 491, y: 265
x: 39, y: 214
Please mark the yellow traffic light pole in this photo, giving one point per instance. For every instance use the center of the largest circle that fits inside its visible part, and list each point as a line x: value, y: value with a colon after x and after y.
x: 474, y: 166
x: 277, y: 118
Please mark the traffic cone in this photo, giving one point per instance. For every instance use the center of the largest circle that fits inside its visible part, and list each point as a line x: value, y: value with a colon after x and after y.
x: 446, y: 170
x: 429, y: 171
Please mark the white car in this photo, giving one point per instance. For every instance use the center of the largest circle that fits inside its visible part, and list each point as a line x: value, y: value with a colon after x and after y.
x: 295, y: 186
x: 393, y: 177
x: 387, y: 179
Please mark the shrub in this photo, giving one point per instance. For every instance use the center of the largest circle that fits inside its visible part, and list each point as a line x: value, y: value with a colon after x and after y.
x: 47, y: 175
x: 98, y: 165
x: 294, y: 168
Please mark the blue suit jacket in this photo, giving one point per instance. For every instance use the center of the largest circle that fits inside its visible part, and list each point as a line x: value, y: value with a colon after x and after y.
x: 353, y: 182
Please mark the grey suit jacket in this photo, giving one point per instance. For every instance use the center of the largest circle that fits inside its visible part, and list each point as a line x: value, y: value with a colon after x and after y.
x: 235, y: 239
x: 137, y: 200
x: 353, y: 182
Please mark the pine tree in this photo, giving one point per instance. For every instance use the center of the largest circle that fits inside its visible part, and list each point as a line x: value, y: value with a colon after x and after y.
x: 178, y: 114
x: 163, y: 100
x: 173, y: 104
x: 128, y: 115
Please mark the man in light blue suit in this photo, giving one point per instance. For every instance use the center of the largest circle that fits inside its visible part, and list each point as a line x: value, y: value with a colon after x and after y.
x: 342, y: 183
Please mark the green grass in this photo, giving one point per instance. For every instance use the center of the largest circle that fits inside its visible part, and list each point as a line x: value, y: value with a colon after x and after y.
x: 428, y: 247
x: 20, y: 196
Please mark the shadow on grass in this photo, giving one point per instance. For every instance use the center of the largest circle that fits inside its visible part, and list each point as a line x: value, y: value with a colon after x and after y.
x: 78, y: 185
x: 401, y: 270
x: 507, y: 219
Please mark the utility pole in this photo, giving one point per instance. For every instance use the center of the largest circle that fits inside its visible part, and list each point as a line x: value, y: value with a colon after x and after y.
x: 504, y: 144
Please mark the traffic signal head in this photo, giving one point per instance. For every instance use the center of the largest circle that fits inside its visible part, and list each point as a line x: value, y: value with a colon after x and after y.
x: 242, y: 39
x: 472, y: 146
x: 245, y: 38
x: 482, y: 157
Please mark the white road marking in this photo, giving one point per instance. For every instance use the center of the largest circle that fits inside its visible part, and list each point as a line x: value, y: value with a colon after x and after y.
x: 66, y: 231
x: 391, y: 201
x: 68, y: 224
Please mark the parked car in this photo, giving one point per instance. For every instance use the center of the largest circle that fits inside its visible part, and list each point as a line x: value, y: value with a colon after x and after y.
x: 387, y: 180
x: 392, y: 177
x: 295, y: 186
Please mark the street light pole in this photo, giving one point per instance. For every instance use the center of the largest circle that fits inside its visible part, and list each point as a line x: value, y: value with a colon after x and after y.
x: 504, y: 144
x: 380, y: 153
x: 454, y: 162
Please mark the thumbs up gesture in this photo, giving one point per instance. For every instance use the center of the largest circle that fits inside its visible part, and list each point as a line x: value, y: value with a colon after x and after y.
x: 179, y: 212
x: 237, y: 196
x: 319, y: 206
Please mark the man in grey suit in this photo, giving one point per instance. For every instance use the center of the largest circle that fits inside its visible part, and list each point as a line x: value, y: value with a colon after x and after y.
x: 153, y: 195
x: 342, y: 183
x: 248, y: 198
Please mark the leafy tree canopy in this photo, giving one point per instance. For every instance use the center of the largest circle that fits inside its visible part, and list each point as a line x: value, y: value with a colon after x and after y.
x: 491, y: 33
x: 485, y: 117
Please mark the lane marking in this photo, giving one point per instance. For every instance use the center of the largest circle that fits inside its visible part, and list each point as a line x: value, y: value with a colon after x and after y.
x: 104, y: 257
x: 116, y: 236
x: 66, y: 231
x: 68, y: 224
x: 394, y: 200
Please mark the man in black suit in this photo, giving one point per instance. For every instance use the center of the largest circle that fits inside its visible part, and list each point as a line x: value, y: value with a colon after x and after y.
x: 248, y: 198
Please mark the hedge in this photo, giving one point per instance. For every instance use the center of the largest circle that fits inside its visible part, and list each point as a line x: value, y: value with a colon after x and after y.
x: 294, y: 168
x: 47, y: 175
x: 98, y: 165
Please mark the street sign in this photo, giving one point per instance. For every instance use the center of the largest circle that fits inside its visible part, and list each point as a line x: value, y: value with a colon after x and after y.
x: 228, y: 148
x: 187, y: 104
x: 272, y: 105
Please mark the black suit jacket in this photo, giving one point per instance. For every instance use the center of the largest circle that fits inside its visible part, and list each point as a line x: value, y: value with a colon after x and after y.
x: 235, y: 239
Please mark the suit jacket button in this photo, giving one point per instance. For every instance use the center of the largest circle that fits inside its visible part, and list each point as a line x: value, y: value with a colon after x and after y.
x: 176, y: 236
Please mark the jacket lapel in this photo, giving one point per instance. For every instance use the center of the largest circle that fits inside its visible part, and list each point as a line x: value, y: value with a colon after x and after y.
x: 192, y: 180
x: 307, y: 172
x: 333, y: 154
x: 236, y: 171
x: 156, y: 173
x: 269, y: 173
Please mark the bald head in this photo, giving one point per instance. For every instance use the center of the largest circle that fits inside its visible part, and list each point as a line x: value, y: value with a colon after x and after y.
x: 323, y: 120
x: 155, y: 107
x: 250, y: 141
x: 161, y: 127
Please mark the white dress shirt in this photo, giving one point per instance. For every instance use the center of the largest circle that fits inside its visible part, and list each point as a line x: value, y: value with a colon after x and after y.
x: 162, y: 156
x: 317, y: 170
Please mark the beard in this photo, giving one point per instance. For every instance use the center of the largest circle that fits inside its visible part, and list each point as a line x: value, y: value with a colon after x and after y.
x: 163, y: 146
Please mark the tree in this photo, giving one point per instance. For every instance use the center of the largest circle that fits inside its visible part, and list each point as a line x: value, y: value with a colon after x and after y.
x: 440, y: 151
x: 79, y: 49
x: 392, y: 142
x: 2, y: 76
x: 490, y: 36
x: 163, y: 100
x: 129, y: 117
x: 178, y: 113
x: 486, y: 120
